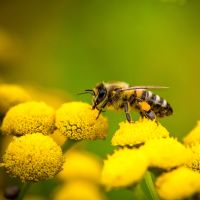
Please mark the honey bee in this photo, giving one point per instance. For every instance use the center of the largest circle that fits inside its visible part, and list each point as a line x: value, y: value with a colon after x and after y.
x: 121, y: 96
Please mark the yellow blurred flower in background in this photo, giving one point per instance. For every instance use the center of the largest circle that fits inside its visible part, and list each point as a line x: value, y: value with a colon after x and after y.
x: 166, y: 153
x: 11, y: 95
x: 77, y: 121
x: 180, y: 183
x: 130, y: 134
x: 53, y: 97
x: 124, y: 168
x: 33, y: 157
x: 78, y: 190
x: 80, y: 164
x: 194, y: 136
x: 29, y: 117
x: 11, y: 49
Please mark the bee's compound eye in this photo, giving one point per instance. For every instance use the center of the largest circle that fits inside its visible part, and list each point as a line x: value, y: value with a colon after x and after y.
x: 102, y: 92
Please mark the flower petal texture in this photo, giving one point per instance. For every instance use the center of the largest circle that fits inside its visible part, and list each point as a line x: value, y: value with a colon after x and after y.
x: 178, y: 184
x: 11, y: 95
x: 59, y: 138
x: 33, y: 157
x: 130, y: 134
x: 29, y: 117
x: 194, y: 136
x: 80, y: 165
x: 124, y: 168
x: 194, y: 162
x: 77, y: 121
x: 79, y: 190
x: 166, y: 153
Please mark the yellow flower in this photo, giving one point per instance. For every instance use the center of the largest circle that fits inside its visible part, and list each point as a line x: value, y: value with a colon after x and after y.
x: 77, y: 121
x: 178, y: 184
x: 33, y: 157
x: 11, y: 95
x: 78, y: 190
x: 194, y: 162
x: 138, y: 133
x: 58, y: 137
x: 28, y: 118
x: 166, y: 153
x: 194, y: 136
x: 80, y: 165
x: 124, y: 168
x: 53, y: 97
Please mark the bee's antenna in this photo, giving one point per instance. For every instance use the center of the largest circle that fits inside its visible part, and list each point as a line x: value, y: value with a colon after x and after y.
x: 88, y: 91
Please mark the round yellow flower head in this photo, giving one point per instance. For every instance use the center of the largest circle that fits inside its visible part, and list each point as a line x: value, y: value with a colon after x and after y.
x: 58, y: 137
x: 80, y: 165
x: 194, y: 136
x: 124, y: 168
x: 78, y: 190
x: 178, y: 184
x: 33, y: 157
x: 166, y: 153
x: 27, y: 118
x: 77, y: 121
x: 194, y: 162
x: 11, y: 95
x: 138, y: 133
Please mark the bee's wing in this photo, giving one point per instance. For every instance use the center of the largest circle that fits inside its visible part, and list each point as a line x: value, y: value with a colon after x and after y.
x: 144, y: 87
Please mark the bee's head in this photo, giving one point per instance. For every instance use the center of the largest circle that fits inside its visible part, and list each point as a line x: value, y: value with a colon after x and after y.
x: 100, y: 93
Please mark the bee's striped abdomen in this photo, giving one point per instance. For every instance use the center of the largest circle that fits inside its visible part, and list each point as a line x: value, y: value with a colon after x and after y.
x: 159, y: 105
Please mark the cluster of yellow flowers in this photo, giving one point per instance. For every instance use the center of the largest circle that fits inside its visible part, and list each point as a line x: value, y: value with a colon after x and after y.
x: 146, y: 145
x: 37, y: 129
x: 80, y: 177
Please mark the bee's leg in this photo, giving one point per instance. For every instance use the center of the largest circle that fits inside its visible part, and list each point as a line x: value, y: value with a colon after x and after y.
x: 151, y: 115
x: 128, y: 116
x: 148, y: 114
x: 101, y: 109
x: 146, y: 110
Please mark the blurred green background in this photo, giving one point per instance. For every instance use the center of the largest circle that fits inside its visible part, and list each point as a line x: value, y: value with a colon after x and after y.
x: 72, y: 45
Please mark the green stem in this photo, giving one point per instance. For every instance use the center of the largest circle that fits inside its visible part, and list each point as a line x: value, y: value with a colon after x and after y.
x: 68, y: 144
x: 23, y: 191
x: 149, y: 188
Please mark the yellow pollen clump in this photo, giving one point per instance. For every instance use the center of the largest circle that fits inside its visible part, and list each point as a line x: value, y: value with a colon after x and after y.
x: 166, y: 153
x: 124, y: 168
x: 78, y: 190
x: 138, y: 133
x: 77, y: 121
x: 144, y: 106
x: 180, y: 183
x: 33, y: 157
x: 81, y: 165
x: 194, y: 136
x: 11, y: 95
x: 29, y: 117
x: 194, y: 162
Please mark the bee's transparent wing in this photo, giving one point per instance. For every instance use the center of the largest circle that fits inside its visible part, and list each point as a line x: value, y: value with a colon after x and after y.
x: 144, y: 87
